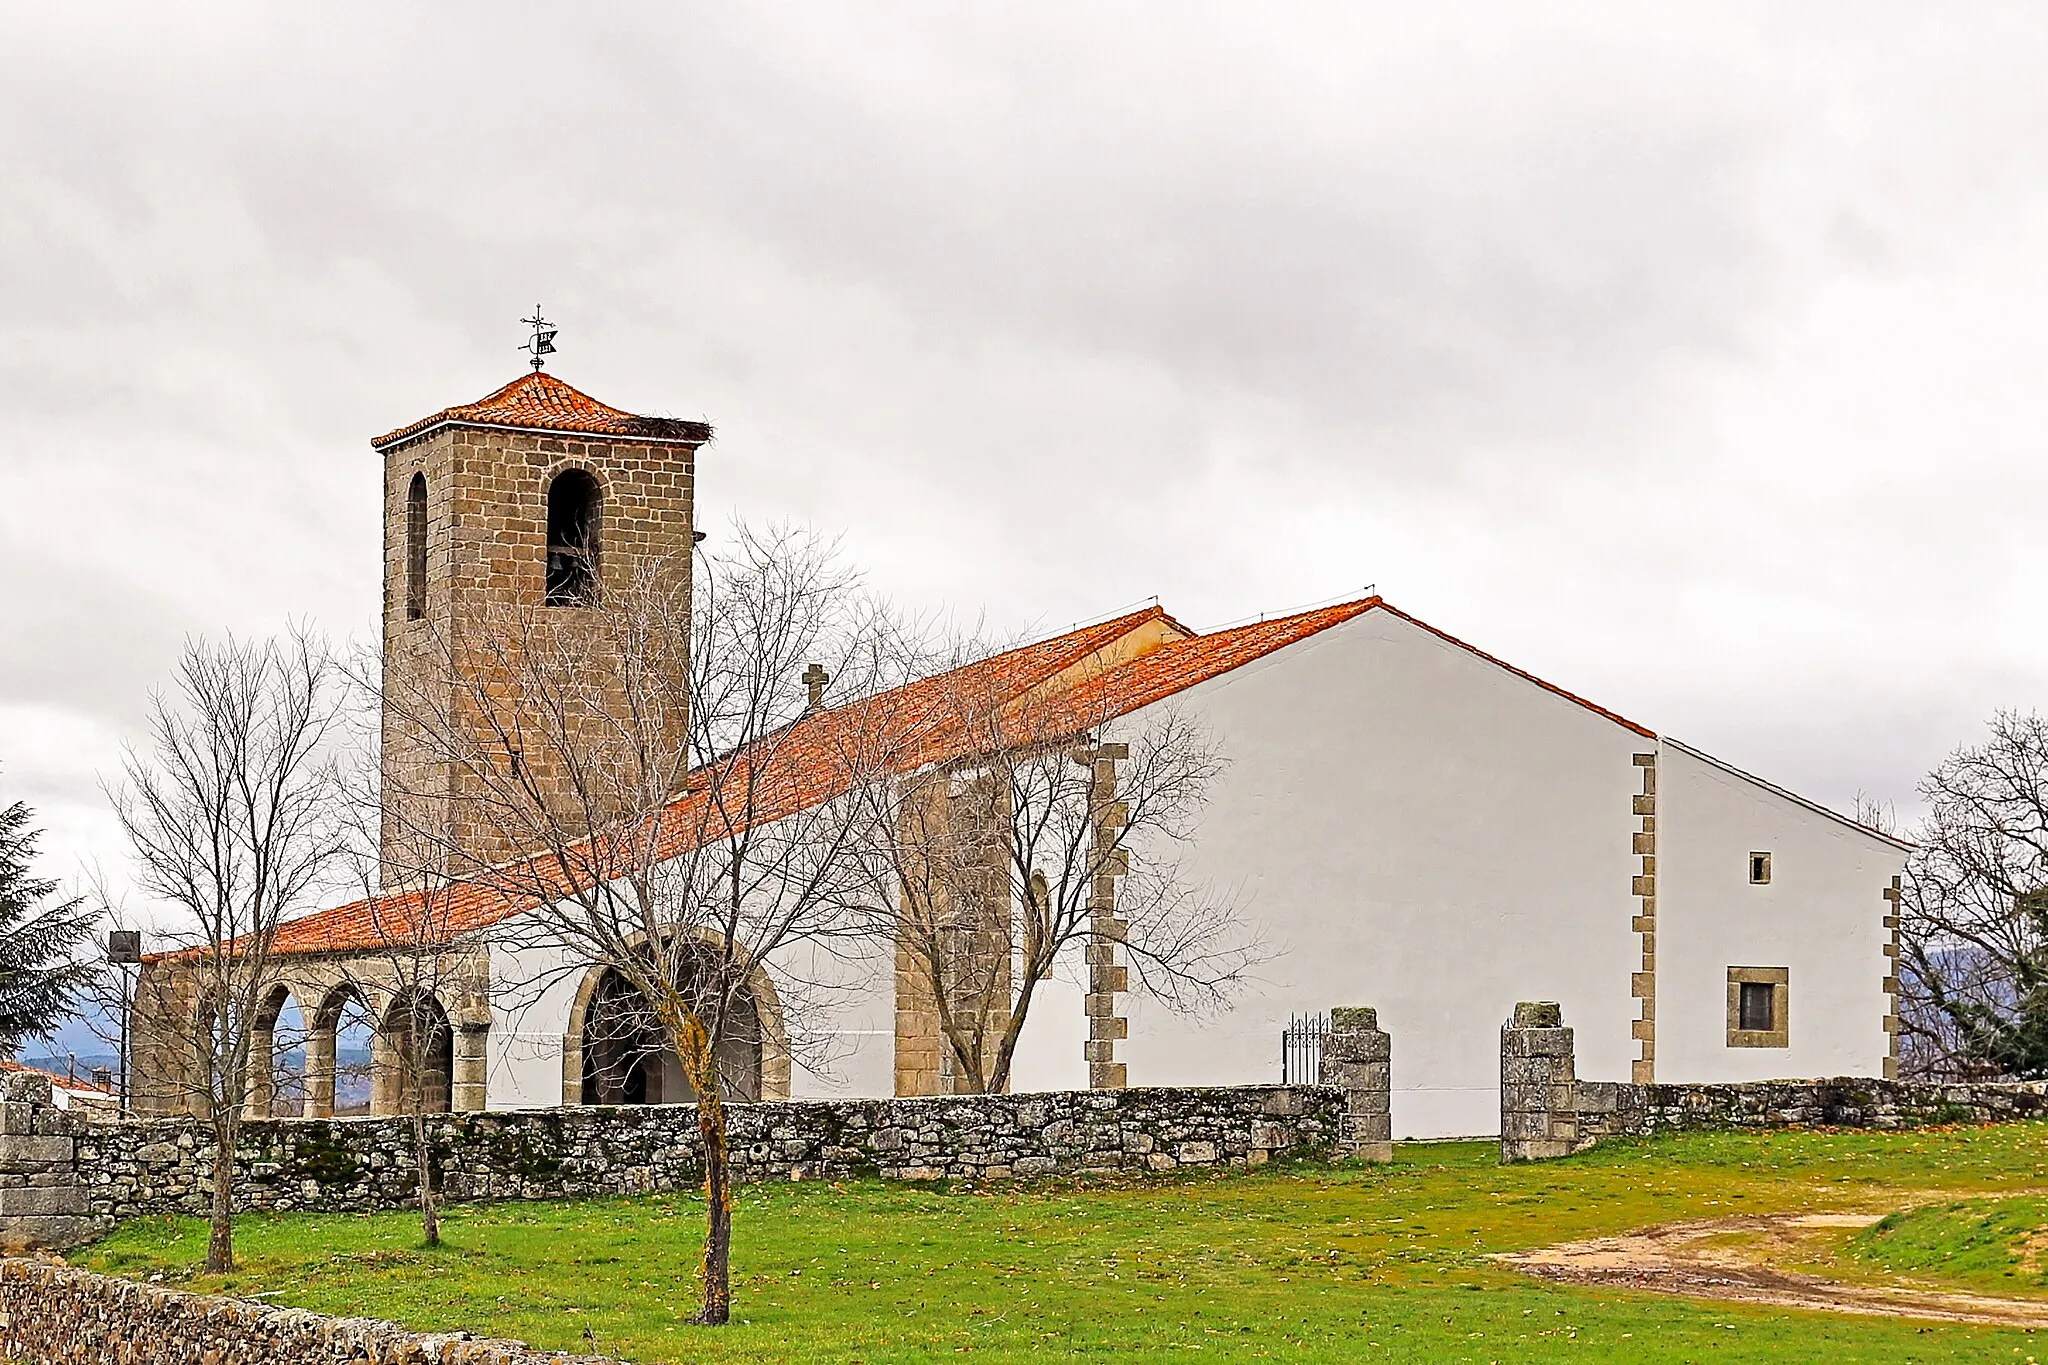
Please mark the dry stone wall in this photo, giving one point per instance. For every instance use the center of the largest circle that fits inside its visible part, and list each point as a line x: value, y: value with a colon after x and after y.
x: 148, y: 1166
x: 41, y: 1203
x: 1613, y: 1108
x: 53, y: 1314
x: 1547, y: 1112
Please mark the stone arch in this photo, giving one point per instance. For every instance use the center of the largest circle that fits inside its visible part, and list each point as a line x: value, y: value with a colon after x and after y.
x: 416, y: 1041
x: 574, y: 498
x: 261, y: 1092
x: 763, y: 1076
x: 321, y: 1029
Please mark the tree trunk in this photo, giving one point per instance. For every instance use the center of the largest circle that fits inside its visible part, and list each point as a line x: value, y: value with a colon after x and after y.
x: 717, y: 1203
x: 220, y: 1232
x: 430, y: 1213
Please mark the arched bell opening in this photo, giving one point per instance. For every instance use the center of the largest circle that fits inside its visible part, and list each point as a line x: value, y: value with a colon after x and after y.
x: 575, y: 520
x: 416, y: 548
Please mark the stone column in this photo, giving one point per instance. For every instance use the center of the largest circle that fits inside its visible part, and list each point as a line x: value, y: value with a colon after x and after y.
x: 1539, y: 1114
x: 320, y: 1072
x: 387, y: 1073
x: 262, y: 1080
x: 1357, y: 1055
x: 42, y: 1204
x: 472, y: 1062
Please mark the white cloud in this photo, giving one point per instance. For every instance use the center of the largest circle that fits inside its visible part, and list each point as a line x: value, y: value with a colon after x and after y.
x: 1686, y: 354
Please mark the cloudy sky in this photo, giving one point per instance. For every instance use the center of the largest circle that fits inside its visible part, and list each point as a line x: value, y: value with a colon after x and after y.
x: 1689, y: 357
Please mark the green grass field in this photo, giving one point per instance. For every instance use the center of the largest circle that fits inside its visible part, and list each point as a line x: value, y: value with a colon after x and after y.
x: 1988, y: 1246
x: 1296, y: 1263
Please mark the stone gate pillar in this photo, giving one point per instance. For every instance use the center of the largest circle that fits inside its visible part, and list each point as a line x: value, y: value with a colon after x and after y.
x: 42, y: 1204
x: 1357, y: 1057
x: 1539, y: 1113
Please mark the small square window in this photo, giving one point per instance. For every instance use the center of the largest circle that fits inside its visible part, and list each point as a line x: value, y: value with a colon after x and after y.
x: 1758, y: 1006
x: 1759, y: 869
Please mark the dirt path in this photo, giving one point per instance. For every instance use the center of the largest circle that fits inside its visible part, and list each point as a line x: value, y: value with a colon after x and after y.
x: 1730, y: 1258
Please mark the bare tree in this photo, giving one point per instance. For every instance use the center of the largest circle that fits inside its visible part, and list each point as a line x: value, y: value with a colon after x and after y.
x: 230, y: 813
x: 1974, y: 931
x: 1043, y: 828
x: 688, y: 808
x: 419, y: 956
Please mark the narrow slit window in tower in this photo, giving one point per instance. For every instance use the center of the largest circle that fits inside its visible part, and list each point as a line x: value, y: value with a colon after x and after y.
x: 574, y: 505
x: 416, y: 548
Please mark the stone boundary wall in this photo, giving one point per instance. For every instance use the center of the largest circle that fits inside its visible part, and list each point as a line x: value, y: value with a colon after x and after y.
x: 1547, y: 1112
x: 54, y: 1314
x: 134, y: 1167
x: 1617, y: 1108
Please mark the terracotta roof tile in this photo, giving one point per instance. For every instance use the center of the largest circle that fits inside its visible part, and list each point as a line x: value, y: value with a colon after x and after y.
x: 917, y: 724
x: 538, y: 401
x: 57, y: 1079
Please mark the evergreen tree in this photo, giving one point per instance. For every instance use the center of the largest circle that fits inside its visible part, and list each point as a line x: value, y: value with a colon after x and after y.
x: 40, y: 969
x: 2013, y: 1037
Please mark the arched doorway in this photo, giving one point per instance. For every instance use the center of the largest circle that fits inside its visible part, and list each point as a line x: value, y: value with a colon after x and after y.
x: 624, y: 1057
x: 416, y: 1070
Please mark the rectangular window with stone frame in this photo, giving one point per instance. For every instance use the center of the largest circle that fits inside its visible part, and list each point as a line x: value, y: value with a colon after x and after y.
x: 1757, y: 1006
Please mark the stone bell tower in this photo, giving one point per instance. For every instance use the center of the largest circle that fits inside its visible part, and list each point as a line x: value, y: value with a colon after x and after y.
x: 534, y: 497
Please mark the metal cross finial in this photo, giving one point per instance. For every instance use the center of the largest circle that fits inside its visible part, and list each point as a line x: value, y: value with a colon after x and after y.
x: 542, y: 343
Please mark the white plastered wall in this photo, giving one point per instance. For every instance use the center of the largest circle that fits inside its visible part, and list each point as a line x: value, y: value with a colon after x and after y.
x: 533, y: 989
x: 837, y: 1002
x: 1416, y: 829
x: 1821, y: 917
x: 840, y: 1007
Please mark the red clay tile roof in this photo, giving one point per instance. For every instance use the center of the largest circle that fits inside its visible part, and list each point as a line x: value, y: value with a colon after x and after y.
x: 537, y: 401
x: 806, y: 767
x: 916, y: 725
x: 55, y: 1078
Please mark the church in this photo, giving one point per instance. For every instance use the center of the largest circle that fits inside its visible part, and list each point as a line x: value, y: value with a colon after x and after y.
x: 1412, y: 823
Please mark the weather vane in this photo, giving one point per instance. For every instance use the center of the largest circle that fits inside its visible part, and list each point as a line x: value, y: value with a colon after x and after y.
x: 542, y: 343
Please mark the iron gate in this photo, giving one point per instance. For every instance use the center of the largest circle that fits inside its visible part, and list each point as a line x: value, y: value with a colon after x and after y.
x: 1301, y: 1048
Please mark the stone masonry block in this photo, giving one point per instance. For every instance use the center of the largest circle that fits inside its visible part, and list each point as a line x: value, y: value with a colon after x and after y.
x: 41, y: 1201
x: 1354, y: 1019
x: 1107, y: 1076
x: 1545, y: 1042
x: 1357, y: 1047
x: 22, y: 1087
x: 17, y: 1153
x: 1360, y: 1076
